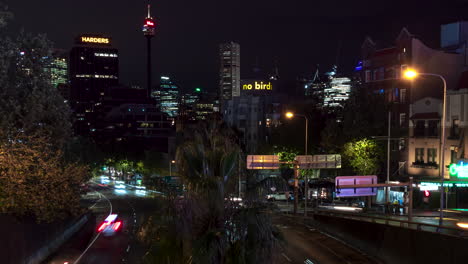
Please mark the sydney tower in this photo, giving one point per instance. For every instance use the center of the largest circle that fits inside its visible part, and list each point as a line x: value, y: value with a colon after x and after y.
x: 148, y: 31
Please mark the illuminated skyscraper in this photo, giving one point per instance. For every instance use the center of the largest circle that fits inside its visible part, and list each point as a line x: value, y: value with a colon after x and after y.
x: 167, y: 97
x: 94, y: 67
x: 229, y: 75
x: 337, y: 92
x: 148, y: 31
x: 188, y: 103
x: 58, y: 68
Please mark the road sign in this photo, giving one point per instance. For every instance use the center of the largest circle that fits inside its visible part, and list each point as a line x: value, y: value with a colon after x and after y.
x: 263, y: 162
x: 332, y: 161
x: 355, y: 180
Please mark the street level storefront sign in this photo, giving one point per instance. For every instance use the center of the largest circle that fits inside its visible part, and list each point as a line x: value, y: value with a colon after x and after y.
x: 433, y: 186
x: 459, y: 170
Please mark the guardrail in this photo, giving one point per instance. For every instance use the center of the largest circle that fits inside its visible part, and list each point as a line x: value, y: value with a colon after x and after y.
x: 419, y: 226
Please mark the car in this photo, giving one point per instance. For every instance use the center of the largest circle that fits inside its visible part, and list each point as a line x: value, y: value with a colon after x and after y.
x: 111, y: 225
x: 280, y: 196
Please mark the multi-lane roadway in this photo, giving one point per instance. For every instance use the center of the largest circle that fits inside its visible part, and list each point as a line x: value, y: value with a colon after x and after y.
x: 133, y: 206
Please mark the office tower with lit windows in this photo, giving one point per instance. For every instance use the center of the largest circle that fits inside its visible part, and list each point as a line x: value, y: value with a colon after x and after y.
x: 188, y: 103
x: 338, y: 92
x: 229, y: 75
x: 167, y: 97
x: 58, y: 68
x: 94, y: 67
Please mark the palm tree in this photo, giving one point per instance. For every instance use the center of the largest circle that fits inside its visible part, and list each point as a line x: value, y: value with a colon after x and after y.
x: 210, y: 227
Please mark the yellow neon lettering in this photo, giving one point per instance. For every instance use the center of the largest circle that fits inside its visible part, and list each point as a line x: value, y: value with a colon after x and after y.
x: 95, y: 40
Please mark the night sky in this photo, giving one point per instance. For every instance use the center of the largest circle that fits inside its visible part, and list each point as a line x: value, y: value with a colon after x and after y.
x: 299, y: 33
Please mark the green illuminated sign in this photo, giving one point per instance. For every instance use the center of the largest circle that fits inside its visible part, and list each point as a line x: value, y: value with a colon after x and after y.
x: 197, y: 90
x: 459, y: 170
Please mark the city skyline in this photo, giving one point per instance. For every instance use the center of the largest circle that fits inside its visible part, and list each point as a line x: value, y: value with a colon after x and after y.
x: 298, y: 35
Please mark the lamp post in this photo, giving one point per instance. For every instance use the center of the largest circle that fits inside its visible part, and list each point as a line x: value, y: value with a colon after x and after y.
x: 290, y: 115
x: 170, y: 167
x: 411, y: 74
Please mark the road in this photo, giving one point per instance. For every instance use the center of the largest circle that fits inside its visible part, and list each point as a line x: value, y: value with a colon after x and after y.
x: 133, y: 209
x: 306, y: 245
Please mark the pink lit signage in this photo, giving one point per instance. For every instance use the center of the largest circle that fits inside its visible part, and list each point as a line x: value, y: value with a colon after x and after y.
x: 355, y: 180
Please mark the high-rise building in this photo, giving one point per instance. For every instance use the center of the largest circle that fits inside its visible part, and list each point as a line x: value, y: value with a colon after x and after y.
x: 337, y: 92
x: 167, y: 97
x: 94, y: 67
x: 188, y: 103
x: 229, y: 75
x: 58, y: 68
x: 254, y: 117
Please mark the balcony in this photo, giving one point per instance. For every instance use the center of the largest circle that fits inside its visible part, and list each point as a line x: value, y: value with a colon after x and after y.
x: 422, y: 165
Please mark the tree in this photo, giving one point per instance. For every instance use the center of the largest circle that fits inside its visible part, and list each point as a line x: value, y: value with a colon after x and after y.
x: 209, y: 227
x: 365, y: 156
x: 34, y: 180
x: 29, y: 104
x: 364, y: 115
x: 35, y: 177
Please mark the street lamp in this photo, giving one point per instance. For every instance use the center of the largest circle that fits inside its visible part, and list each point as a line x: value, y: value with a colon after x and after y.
x: 170, y: 167
x: 411, y: 74
x: 290, y: 115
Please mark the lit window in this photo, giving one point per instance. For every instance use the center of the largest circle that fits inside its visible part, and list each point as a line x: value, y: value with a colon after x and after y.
x: 431, y: 155
x: 368, y: 76
x: 402, y: 119
x: 419, y: 155
x: 403, y: 96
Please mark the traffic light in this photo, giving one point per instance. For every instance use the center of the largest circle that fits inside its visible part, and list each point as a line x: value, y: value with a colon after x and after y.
x: 427, y: 193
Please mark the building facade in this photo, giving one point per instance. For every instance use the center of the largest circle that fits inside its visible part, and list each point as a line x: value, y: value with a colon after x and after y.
x: 254, y: 117
x: 229, y: 73
x: 382, y: 73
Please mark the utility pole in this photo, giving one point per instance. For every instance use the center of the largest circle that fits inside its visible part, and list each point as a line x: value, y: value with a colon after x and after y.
x: 387, y: 189
x: 296, y: 186
x: 306, y: 187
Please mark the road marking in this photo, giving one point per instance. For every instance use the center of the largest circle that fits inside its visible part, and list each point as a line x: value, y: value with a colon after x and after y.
x: 328, y: 248
x: 95, y: 238
x: 100, y: 197
x: 128, y: 248
x: 286, y: 257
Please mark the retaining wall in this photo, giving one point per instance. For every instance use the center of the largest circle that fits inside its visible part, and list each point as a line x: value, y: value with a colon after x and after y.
x: 29, y: 242
x: 392, y: 244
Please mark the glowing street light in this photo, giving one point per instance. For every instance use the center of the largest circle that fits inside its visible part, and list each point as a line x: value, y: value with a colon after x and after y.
x: 411, y: 74
x: 289, y: 115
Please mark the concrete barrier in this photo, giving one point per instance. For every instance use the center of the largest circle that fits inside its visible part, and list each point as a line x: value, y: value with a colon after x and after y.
x: 29, y: 242
x: 392, y: 244
x: 46, y: 250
